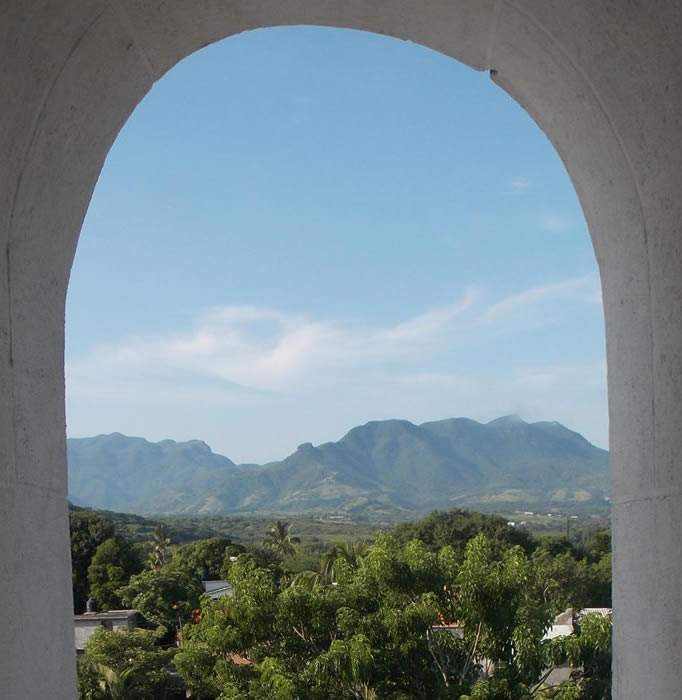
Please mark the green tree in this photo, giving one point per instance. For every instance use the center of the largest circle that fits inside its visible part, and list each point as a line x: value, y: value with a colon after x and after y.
x: 163, y: 596
x: 456, y: 527
x: 351, y: 665
x: 560, y: 544
x: 279, y: 537
x: 205, y: 559
x: 589, y: 653
x: 380, y: 630
x: 599, y: 544
x: 126, y: 664
x: 115, y: 685
x: 230, y: 628
x: 112, y: 565
x: 569, y: 583
x: 503, y: 621
x: 88, y: 530
x: 351, y: 553
x: 158, y: 547
x: 364, y: 637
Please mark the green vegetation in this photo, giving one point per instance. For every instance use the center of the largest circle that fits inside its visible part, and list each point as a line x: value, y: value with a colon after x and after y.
x: 375, y: 630
x: 163, y: 596
x: 456, y: 527
x: 316, y: 533
x: 281, y: 540
x: 452, y: 606
x: 111, y: 566
x: 205, y: 559
x: 118, y: 471
x: 127, y: 664
x: 88, y: 531
x: 158, y: 550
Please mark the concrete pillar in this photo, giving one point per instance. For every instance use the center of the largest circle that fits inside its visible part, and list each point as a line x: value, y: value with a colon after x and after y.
x: 600, y: 77
x: 603, y: 81
x: 52, y: 146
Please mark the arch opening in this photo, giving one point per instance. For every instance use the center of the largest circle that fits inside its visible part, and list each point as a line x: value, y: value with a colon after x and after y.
x: 386, y: 200
x: 513, y: 190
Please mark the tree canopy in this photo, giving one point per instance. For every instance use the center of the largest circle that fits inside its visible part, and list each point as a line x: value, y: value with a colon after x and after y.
x: 453, y: 607
x: 126, y: 665
x: 111, y: 566
x: 88, y: 531
x: 279, y: 537
x: 407, y: 623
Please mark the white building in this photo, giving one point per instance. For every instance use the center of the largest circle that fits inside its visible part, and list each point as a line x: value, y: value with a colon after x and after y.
x: 85, y: 625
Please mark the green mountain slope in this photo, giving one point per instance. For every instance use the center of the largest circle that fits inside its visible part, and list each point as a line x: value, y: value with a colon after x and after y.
x: 119, y: 472
x: 391, y: 464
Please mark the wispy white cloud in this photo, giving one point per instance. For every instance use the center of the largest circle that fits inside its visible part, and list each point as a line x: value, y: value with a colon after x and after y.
x: 268, y: 349
x: 582, y: 289
x: 238, y: 362
x: 250, y: 425
x: 430, y: 322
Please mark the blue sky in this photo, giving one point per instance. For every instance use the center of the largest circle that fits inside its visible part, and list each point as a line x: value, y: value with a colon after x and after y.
x: 303, y: 229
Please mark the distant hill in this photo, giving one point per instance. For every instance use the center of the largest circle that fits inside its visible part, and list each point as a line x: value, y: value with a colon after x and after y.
x: 132, y: 474
x: 383, y: 466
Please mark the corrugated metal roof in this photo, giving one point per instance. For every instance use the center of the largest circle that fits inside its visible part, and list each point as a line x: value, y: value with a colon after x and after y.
x: 604, y: 612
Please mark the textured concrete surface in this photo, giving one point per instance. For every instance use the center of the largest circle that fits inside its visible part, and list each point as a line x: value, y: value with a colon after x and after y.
x: 600, y: 77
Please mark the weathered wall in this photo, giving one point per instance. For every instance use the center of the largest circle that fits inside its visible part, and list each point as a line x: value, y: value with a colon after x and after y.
x: 600, y: 77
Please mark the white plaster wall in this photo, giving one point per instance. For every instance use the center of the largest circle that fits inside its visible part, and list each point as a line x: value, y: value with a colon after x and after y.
x: 82, y: 631
x: 600, y: 77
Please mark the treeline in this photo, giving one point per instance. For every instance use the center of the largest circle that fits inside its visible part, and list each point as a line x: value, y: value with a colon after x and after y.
x: 576, y: 573
x: 244, y: 529
x: 452, y: 606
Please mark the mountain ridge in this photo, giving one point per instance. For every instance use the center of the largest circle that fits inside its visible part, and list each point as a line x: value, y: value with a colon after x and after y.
x: 391, y: 464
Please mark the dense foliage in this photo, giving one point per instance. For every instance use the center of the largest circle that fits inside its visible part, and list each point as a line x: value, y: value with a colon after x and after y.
x: 88, y: 531
x: 205, y: 559
x: 111, y: 566
x: 127, y: 664
x: 456, y: 527
x: 377, y: 631
x: 455, y: 606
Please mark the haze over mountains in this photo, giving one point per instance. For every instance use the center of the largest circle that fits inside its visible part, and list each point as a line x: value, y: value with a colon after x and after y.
x: 383, y: 466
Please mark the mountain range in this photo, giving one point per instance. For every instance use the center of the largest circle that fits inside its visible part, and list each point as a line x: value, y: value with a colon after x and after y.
x: 383, y: 467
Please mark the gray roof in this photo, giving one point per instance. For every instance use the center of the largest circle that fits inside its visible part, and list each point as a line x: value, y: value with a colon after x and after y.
x: 108, y: 615
x: 604, y: 612
x: 216, y: 589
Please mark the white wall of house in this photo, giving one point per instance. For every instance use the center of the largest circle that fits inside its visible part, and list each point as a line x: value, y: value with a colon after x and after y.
x: 84, y: 626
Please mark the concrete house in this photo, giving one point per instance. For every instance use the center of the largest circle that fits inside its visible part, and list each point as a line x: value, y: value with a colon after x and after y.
x: 85, y: 625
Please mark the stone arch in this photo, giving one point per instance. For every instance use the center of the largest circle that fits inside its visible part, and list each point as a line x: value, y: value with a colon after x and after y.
x: 598, y: 76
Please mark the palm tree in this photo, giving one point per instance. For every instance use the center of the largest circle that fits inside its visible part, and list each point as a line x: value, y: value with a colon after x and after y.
x: 352, y: 553
x: 307, y: 580
x: 159, y: 547
x: 115, y: 685
x: 280, y: 538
